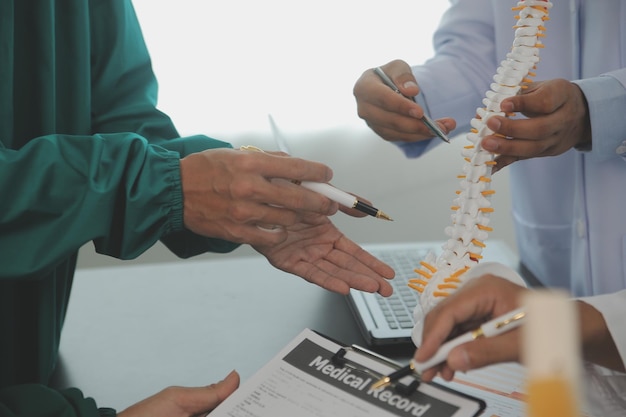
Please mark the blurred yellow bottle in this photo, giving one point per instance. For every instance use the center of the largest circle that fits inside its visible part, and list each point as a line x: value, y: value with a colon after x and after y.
x: 551, y: 354
x: 553, y: 397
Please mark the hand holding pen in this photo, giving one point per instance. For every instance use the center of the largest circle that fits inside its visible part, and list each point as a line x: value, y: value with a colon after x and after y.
x: 335, y: 194
x: 399, y: 118
x: 497, y: 326
x: 432, y: 125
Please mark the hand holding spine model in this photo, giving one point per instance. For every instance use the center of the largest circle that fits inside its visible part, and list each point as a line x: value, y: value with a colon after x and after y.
x: 440, y: 276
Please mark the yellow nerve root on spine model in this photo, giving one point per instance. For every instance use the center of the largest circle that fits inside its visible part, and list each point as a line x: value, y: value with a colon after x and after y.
x: 439, y: 276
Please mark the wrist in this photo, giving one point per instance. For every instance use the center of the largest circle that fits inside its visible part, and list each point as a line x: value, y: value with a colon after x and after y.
x: 584, y: 145
x: 597, y: 342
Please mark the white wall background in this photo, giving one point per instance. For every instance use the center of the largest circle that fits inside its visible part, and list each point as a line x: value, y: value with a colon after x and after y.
x: 224, y: 66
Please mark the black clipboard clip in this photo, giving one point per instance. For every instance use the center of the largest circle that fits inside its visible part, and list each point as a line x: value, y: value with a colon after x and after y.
x: 401, y: 388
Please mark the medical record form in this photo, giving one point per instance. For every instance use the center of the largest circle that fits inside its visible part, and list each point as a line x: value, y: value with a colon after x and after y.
x: 314, y: 376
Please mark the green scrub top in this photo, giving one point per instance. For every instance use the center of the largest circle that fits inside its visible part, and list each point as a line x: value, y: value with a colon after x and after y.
x: 84, y: 156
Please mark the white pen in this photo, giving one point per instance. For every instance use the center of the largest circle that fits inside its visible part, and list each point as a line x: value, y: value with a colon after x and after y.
x: 343, y: 198
x: 334, y: 193
x: 499, y: 325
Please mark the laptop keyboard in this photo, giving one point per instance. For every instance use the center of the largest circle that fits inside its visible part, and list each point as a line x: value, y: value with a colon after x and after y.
x: 398, y: 308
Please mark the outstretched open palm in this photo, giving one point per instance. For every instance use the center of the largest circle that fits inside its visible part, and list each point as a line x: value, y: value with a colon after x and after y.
x: 318, y: 252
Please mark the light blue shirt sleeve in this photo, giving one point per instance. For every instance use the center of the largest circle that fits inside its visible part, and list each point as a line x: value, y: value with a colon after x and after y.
x: 466, y: 62
x: 413, y: 149
x: 606, y: 100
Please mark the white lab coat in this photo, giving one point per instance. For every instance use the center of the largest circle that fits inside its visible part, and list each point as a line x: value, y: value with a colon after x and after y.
x: 570, y: 210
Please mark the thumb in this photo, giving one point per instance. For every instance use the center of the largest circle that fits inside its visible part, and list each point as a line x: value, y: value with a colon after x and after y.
x: 406, y: 84
x: 205, y: 399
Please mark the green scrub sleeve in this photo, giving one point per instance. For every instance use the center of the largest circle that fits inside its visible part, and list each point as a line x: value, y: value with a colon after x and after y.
x: 120, y: 59
x: 84, y: 156
x: 181, y: 241
x: 17, y: 401
x: 114, y: 178
x: 118, y: 190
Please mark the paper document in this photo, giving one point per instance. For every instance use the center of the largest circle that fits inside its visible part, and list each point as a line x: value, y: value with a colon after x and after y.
x: 501, y: 386
x: 308, y: 379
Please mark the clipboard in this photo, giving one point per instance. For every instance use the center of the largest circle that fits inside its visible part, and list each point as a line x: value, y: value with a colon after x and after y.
x: 316, y: 376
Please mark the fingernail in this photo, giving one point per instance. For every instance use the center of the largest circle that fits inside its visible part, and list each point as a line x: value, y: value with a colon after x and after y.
x: 409, y: 84
x: 464, y: 364
x: 230, y: 375
x: 414, y: 113
x: 494, y: 124
x: 489, y: 144
x: 506, y: 106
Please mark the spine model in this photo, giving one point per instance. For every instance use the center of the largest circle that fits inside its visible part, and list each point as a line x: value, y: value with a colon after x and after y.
x: 440, y: 276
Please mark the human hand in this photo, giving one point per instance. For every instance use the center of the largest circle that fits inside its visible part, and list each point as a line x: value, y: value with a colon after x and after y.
x: 318, y: 252
x: 239, y: 195
x: 478, y: 301
x: 558, y: 119
x: 389, y: 114
x: 184, y: 402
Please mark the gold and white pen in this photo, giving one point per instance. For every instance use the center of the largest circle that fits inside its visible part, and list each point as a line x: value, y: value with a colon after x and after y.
x: 335, y: 194
x: 427, y: 120
x: 499, y: 325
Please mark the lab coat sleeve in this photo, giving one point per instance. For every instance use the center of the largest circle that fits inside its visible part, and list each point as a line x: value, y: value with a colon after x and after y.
x: 464, y: 52
x: 613, y: 309
x: 606, y: 101
x: 36, y: 400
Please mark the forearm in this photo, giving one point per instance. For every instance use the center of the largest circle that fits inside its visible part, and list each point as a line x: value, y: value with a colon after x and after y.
x: 598, y: 344
x: 602, y: 333
x: 464, y: 52
x: 454, y: 81
x: 117, y: 190
x: 62, y: 191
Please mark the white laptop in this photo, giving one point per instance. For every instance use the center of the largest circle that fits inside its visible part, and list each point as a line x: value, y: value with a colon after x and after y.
x: 389, y: 320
